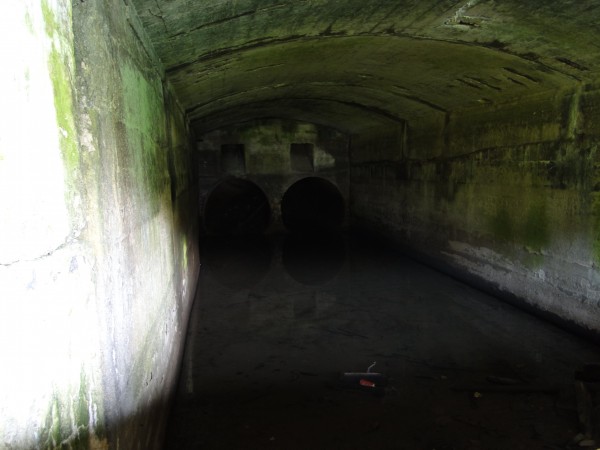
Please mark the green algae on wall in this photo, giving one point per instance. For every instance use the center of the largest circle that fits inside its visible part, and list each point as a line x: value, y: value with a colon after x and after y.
x: 184, y: 247
x: 595, y: 228
x: 68, y: 422
x: 60, y: 66
x: 536, y: 233
x: 64, y: 98
x: 525, y: 224
x: 144, y: 124
x: 63, y: 102
x: 501, y: 225
x: 61, y: 61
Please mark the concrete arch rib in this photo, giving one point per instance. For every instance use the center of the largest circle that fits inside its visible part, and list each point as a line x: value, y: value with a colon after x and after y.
x: 554, y: 32
x: 402, y: 75
x: 348, y: 118
x: 389, y: 103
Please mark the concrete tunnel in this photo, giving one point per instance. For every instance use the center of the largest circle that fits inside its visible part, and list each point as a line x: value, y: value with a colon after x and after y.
x: 464, y: 132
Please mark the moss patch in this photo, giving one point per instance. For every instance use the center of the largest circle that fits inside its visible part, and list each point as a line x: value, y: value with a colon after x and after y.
x: 49, y: 19
x: 63, y: 103
x: 68, y: 425
x: 184, y: 246
x: 501, y: 225
x: 144, y: 135
x: 536, y: 234
x: 596, y: 225
x: 60, y: 60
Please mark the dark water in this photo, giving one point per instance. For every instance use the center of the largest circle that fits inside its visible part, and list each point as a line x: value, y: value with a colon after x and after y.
x: 276, y: 321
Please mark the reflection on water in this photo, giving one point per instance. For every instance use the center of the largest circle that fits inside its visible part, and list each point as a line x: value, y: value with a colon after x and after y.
x: 275, y: 322
x: 237, y: 262
x: 313, y: 259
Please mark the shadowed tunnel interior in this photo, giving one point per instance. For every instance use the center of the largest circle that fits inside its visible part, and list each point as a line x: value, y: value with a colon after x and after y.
x: 180, y: 146
x: 312, y: 205
x: 236, y: 207
x: 460, y: 123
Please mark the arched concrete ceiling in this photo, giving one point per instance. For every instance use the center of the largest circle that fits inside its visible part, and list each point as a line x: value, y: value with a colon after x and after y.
x: 355, y: 64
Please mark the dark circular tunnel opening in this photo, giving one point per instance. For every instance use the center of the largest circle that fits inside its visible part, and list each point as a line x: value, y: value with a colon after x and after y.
x: 236, y: 207
x: 312, y: 205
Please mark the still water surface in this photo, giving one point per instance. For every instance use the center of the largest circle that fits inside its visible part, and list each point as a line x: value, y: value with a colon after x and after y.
x: 277, y: 320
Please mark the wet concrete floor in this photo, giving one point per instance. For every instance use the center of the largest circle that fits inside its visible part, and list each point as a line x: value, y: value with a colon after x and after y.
x: 276, y: 322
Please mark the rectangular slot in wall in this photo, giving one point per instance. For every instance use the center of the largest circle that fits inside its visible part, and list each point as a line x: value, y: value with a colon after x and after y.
x: 233, y: 158
x: 207, y: 163
x: 301, y: 157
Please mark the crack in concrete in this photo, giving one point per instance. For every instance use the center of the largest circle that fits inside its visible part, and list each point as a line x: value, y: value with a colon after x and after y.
x: 407, y: 96
x: 213, y: 23
x: 425, y: 102
x: 460, y: 18
x: 386, y: 16
x: 523, y: 75
x: 420, y: 17
x: 41, y: 257
x: 469, y: 83
x: 483, y: 83
x: 235, y: 17
x: 139, y: 33
x: 516, y: 81
x: 257, y: 43
x: 264, y: 67
x: 572, y: 64
x: 160, y: 16
x: 461, y: 12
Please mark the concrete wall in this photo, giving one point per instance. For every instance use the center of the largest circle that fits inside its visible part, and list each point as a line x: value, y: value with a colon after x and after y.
x: 268, y: 158
x: 98, y: 256
x: 506, y: 196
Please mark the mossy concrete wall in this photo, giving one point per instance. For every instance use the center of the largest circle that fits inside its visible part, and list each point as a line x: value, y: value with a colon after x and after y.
x: 504, y: 196
x: 98, y: 250
x: 268, y: 161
